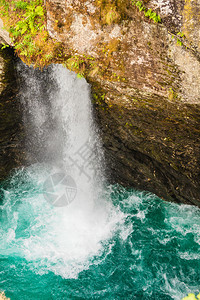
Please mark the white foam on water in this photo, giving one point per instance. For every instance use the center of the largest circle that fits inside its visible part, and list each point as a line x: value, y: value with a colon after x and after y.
x: 61, y: 240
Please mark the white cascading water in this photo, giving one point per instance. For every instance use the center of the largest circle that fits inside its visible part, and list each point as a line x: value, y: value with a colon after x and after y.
x: 61, y: 132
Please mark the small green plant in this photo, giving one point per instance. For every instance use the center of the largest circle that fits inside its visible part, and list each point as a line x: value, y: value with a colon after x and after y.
x: 4, y: 46
x: 139, y: 5
x: 147, y: 12
x: 152, y: 15
x: 172, y: 95
x: 83, y: 65
x: 180, y: 36
x: 103, y: 96
x: 79, y: 76
x: 178, y: 42
x: 74, y: 63
x: 21, y: 5
x: 31, y: 20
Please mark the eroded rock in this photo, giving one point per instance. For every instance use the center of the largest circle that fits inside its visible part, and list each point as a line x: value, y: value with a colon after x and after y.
x: 4, y: 35
x: 11, y: 128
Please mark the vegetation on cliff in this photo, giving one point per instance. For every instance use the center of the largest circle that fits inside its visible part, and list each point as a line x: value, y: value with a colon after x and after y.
x: 27, y: 26
x: 26, y: 23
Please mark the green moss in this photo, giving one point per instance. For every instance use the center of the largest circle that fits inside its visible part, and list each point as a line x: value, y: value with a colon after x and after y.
x: 112, y: 11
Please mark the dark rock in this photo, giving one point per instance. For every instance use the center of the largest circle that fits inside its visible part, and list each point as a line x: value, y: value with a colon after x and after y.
x: 156, y: 151
x: 11, y: 128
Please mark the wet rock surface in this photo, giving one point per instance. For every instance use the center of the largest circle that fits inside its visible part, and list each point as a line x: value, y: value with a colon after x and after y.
x: 154, y: 149
x: 11, y: 128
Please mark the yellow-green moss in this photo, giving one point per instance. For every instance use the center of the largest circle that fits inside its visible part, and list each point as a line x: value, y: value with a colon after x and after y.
x: 112, y: 11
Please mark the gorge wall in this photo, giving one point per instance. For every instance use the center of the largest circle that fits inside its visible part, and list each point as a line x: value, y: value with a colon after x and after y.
x: 145, y: 80
x: 11, y: 128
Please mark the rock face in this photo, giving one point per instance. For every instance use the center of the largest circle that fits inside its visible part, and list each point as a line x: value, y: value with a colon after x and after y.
x: 4, y: 35
x: 146, y: 87
x: 149, y: 120
x: 11, y: 129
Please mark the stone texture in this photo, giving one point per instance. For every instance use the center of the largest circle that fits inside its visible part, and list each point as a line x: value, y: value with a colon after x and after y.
x: 11, y: 129
x: 4, y: 35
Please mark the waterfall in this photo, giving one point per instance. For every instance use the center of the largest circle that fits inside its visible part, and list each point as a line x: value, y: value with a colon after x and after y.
x: 64, y: 217
x: 60, y: 128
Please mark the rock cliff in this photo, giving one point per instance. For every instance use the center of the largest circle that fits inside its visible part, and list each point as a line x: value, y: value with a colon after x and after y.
x: 146, y: 88
x: 11, y: 128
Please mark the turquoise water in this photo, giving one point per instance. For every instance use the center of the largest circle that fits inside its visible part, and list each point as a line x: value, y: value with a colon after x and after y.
x: 140, y: 247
